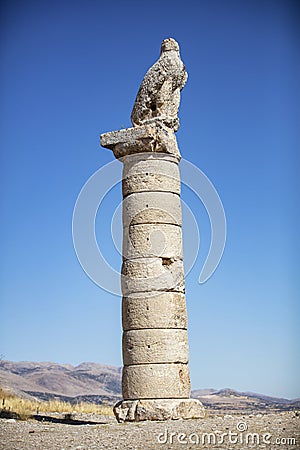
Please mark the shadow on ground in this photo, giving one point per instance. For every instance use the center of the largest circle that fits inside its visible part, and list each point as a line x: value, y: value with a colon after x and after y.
x: 67, y: 419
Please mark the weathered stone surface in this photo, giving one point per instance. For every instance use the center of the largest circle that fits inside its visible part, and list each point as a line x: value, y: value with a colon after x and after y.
x: 154, y: 137
x: 148, y: 181
x: 152, y: 274
x: 161, y: 310
x: 149, y: 174
x: 162, y: 409
x: 127, y: 135
x: 156, y: 381
x: 152, y: 207
x: 130, y: 161
x: 148, y: 240
x: 155, y: 346
x: 159, y: 95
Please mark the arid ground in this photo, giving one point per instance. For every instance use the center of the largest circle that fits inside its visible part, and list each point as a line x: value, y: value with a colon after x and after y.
x: 279, y: 430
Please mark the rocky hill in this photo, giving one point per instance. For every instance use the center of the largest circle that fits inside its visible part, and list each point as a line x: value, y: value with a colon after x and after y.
x: 232, y: 401
x: 46, y: 380
x: 98, y: 383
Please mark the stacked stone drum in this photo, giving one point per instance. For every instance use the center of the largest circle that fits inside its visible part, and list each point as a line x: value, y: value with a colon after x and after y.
x: 155, y: 343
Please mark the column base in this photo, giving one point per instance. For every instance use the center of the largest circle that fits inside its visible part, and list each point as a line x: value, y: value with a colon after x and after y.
x: 158, y: 409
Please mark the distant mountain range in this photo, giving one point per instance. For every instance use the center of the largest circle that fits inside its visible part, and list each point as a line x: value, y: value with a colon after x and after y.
x: 97, y: 383
x: 46, y: 380
x: 233, y: 401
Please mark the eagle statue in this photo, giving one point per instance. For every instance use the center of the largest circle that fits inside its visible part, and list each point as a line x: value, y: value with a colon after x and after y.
x: 158, y: 97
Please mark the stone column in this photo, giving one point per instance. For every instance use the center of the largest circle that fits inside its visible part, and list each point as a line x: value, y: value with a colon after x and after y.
x: 155, y: 380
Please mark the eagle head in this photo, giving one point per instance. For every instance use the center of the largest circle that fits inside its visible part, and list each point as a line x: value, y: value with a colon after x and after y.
x: 169, y: 45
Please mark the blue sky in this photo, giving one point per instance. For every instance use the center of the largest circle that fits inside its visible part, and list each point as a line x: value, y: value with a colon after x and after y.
x: 70, y: 71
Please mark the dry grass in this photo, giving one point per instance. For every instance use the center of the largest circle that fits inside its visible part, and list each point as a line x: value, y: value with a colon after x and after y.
x: 25, y: 408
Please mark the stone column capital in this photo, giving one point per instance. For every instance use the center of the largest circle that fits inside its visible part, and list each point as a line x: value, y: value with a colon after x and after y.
x: 152, y: 137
